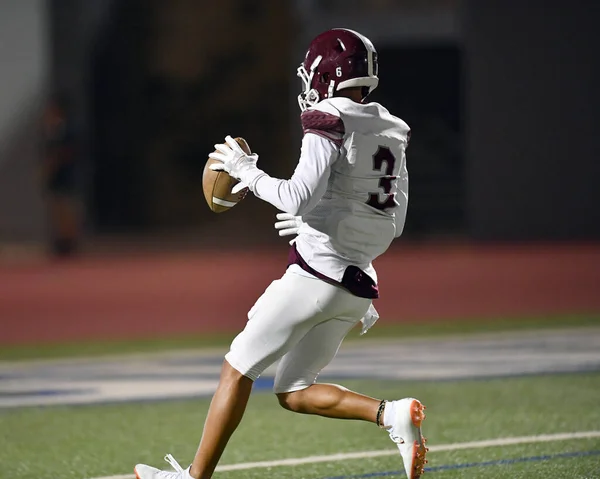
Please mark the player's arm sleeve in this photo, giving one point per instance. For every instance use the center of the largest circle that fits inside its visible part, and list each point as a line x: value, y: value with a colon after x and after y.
x: 323, y: 134
x: 304, y: 189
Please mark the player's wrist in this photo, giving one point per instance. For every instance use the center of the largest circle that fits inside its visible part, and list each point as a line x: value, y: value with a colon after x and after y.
x: 250, y: 175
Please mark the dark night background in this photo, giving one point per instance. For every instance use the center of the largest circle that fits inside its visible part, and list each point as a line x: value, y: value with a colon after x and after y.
x: 502, y: 98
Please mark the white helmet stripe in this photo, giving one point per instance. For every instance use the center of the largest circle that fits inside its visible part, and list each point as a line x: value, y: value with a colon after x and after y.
x: 315, y: 63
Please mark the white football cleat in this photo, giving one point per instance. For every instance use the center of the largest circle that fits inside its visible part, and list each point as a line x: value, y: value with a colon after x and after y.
x: 142, y: 471
x: 405, y: 431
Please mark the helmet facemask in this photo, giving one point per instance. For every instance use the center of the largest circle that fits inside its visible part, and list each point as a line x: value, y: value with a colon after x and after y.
x: 309, y: 96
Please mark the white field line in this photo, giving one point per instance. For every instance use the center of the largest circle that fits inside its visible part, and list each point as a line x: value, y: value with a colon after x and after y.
x: 503, y: 441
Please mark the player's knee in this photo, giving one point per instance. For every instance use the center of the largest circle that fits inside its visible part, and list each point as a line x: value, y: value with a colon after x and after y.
x: 292, y: 401
x: 230, y: 374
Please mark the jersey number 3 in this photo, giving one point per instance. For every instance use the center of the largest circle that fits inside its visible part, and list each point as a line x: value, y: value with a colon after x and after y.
x: 383, y: 155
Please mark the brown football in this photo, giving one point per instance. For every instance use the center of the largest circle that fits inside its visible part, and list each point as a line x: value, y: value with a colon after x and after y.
x: 217, y: 185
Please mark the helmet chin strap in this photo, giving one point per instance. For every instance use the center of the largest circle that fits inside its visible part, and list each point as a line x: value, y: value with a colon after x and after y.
x: 308, y: 99
x: 330, y: 89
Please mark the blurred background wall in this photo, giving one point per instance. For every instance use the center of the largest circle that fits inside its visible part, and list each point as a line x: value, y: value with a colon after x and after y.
x: 109, y: 108
x: 532, y: 109
x: 501, y: 96
x: 24, y: 65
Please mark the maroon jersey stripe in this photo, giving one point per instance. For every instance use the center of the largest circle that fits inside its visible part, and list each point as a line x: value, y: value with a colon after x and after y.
x: 318, y: 120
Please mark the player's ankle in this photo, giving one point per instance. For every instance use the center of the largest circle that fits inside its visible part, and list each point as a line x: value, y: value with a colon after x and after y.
x: 192, y: 475
x: 388, y: 414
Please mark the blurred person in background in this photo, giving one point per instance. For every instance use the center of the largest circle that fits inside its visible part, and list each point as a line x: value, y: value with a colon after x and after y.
x: 58, y: 177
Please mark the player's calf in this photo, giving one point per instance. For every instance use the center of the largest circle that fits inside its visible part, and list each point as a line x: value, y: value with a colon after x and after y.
x: 330, y: 400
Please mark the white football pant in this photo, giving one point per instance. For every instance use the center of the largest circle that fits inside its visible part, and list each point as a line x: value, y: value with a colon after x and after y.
x: 301, y: 320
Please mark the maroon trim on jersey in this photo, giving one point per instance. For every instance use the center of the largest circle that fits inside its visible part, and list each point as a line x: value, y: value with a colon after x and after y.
x: 355, y: 280
x: 325, y: 134
x: 319, y: 120
x: 326, y: 125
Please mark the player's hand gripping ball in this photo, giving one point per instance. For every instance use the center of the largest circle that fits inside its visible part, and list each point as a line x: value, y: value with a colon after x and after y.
x: 222, y: 191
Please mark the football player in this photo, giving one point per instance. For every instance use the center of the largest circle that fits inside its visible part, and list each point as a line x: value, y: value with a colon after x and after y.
x: 346, y: 201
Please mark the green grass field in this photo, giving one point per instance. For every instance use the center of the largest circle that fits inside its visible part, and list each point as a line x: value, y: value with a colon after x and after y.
x: 96, y: 441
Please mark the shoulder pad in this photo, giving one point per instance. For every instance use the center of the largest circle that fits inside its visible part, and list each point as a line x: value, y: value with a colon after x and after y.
x: 320, y: 121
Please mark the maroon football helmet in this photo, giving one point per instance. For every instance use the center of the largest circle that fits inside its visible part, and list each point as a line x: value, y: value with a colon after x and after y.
x: 337, y: 59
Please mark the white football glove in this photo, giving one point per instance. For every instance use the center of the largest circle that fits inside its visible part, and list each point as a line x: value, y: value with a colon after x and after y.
x: 233, y: 161
x: 369, y: 319
x: 288, y: 225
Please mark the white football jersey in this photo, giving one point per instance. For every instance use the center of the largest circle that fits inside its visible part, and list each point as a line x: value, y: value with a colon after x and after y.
x: 350, y: 185
x: 364, y: 204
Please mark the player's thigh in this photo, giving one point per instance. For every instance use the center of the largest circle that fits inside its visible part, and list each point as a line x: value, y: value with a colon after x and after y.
x: 300, y: 367
x: 285, y: 312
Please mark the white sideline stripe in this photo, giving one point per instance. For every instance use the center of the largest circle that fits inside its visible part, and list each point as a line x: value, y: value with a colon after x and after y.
x: 503, y: 441
x: 220, y: 202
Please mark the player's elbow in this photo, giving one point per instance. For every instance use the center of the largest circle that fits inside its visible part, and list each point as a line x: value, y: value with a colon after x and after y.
x: 295, y: 209
x: 299, y: 198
